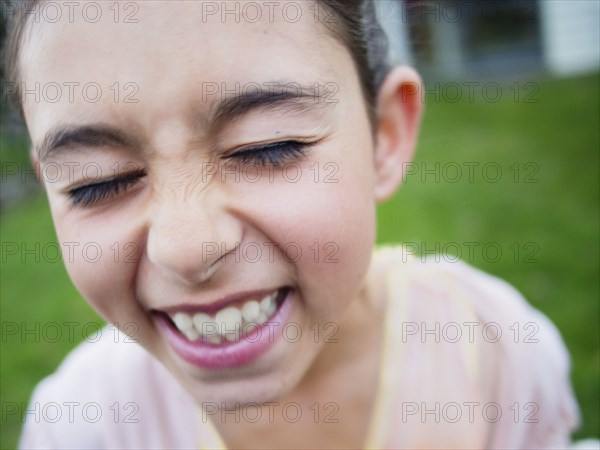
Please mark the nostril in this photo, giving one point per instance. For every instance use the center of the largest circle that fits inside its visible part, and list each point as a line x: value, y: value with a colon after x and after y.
x: 184, y: 265
x: 194, y: 275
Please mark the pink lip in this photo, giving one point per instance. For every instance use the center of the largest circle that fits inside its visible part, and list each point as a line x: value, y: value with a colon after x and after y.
x: 246, y: 349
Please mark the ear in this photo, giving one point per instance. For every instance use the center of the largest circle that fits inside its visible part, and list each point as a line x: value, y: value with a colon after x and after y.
x: 399, y: 110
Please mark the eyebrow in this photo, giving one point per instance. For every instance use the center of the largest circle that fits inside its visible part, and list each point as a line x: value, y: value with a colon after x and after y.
x: 296, y: 99
x: 71, y: 136
x: 279, y: 96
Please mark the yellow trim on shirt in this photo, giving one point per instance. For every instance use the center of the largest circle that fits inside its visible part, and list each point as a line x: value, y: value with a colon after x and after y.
x: 391, y: 355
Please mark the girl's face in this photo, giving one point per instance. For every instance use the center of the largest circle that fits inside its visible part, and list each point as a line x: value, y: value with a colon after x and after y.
x: 196, y: 162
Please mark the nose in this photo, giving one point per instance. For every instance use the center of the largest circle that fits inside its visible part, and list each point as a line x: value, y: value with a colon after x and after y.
x: 189, y: 238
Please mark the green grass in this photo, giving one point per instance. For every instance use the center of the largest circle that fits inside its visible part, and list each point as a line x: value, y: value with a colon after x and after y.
x: 556, y: 217
x: 34, y: 294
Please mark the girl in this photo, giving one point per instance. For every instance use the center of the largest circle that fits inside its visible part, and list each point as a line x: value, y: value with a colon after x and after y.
x: 233, y: 154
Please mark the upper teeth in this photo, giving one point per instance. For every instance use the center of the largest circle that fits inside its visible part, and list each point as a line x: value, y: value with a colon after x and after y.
x: 228, y: 322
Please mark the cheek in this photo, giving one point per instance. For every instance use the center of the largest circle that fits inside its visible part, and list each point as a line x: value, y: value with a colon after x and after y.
x: 325, y: 223
x: 101, y: 258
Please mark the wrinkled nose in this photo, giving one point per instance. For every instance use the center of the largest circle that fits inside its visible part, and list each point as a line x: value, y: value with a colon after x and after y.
x: 187, y: 240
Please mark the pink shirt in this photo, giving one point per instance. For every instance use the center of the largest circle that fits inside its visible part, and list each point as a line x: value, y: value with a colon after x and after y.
x: 467, y: 363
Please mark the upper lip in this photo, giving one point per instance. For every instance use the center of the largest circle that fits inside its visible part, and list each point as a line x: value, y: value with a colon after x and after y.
x: 211, y: 307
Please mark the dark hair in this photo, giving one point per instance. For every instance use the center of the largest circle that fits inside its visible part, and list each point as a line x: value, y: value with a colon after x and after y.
x: 352, y: 22
x: 357, y: 27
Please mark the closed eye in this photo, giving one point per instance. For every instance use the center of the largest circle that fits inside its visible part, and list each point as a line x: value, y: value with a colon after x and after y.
x: 274, y: 154
x: 94, y: 193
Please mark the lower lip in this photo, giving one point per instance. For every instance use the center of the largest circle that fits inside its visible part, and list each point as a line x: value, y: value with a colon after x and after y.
x: 247, y: 349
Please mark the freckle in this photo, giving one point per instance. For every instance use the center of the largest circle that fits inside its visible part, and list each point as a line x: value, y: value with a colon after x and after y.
x: 277, y: 132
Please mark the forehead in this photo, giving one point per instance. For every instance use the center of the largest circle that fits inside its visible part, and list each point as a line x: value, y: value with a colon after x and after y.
x: 167, y: 48
x: 165, y: 26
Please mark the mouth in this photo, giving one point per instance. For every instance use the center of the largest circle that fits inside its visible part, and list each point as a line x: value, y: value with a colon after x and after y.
x: 230, y: 332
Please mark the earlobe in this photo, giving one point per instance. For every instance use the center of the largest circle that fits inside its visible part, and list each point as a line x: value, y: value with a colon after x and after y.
x: 399, y: 110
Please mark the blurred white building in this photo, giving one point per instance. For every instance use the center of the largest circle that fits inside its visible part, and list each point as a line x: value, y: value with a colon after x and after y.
x: 466, y: 38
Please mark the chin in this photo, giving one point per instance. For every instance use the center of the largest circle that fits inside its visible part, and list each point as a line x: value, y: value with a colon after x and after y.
x: 268, y: 381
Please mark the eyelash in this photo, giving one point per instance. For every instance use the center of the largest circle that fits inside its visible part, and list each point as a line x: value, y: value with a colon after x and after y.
x: 89, y: 195
x: 275, y: 154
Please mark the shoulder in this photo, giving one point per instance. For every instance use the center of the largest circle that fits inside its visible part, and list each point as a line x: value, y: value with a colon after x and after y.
x: 452, y: 289
x: 482, y: 344
x: 108, y: 393
x: 437, y: 287
x: 501, y: 315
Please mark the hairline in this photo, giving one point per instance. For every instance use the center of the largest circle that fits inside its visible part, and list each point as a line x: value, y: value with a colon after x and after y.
x: 333, y: 29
